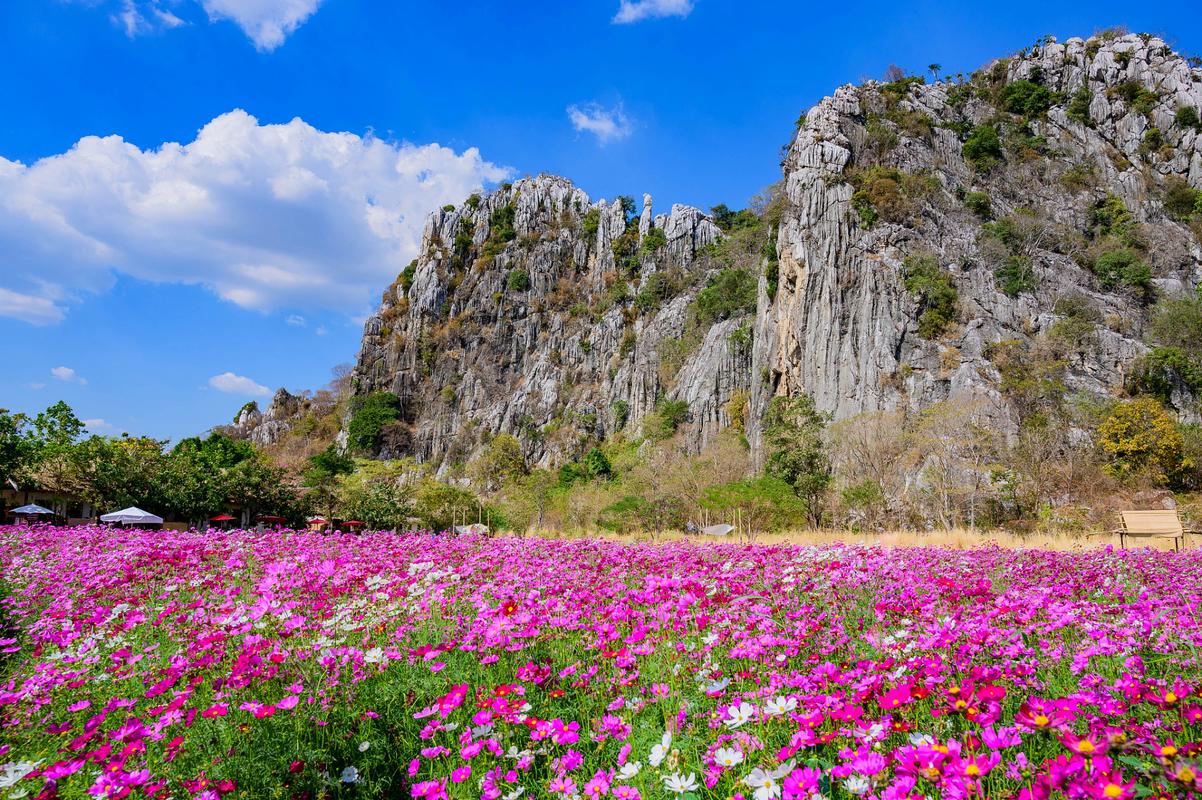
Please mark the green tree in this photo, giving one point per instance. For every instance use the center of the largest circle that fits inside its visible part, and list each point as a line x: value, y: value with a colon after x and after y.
x: 796, y: 454
x: 321, y: 476
x: 17, y: 447
x: 502, y: 460
x: 983, y: 148
x: 369, y: 416
x: 441, y: 506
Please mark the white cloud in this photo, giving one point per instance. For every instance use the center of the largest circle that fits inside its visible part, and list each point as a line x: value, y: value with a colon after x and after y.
x: 267, y: 22
x: 69, y: 375
x: 97, y: 425
x: 238, y: 384
x: 606, y: 124
x: 296, y: 320
x: 36, y: 385
x: 29, y: 308
x: 265, y: 216
x: 639, y: 10
x: 137, y: 18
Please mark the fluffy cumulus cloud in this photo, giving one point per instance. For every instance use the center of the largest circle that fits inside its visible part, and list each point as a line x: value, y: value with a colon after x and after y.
x: 638, y: 10
x: 267, y: 22
x: 607, y: 124
x: 266, y: 216
x: 98, y: 425
x: 68, y: 375
x: 238, y: 384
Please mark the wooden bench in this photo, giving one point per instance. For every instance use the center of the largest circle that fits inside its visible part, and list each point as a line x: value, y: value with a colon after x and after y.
x: 1151, y: 525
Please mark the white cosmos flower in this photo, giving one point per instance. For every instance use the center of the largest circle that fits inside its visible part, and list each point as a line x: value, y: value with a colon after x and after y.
x: 630, y: 769
x: 516, y: 793
x: 679, y: 784
x: 763, y: 783
x: 728, y: 756
x: 660, y: 751
x: 349, y: 775
x: 717, y: 686
x: 780, y: 705
x: 13, y: 773
x: 857, y: 784
x: 374, y: 655
x: 363, y: 746
x: 740, y: 715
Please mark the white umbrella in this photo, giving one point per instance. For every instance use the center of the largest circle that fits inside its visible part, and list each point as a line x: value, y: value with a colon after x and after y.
x: 31, y: 510
x: 132, y: 516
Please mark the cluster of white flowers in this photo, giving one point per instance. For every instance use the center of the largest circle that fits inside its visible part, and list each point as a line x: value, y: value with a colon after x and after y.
x: 764, y: 783
x: 739, y: 715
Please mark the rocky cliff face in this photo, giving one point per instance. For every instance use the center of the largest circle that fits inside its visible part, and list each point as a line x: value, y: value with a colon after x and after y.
x: 931, y: 233
x: 537, y: 312
x: 879, y: 172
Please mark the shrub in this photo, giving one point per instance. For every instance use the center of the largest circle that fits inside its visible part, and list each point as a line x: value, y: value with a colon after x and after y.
x: 449, y: 207
x: 621, y: 413
x: 983, y: 148
x: 1139, y: 98
x: 1016, y: 276
x: 729, y: 220
x: 406, y: 278
x: 1180, y: 199
x: 729, y: 292
x: 1187, y: 117
x: 654, y: 241
x: 1078, y: 106
x: 668, y: 416
x: 978, y: 203
x: 518, y: 280
x: 1163, y: 369
x: 655, y: 290
x: 937, y: 295
x: 1026, y: 98
x: 369, y: 416
x: 473, y: 201
x: 626, y: 346
x: 889, y: 194
x: 1122, y: 267
x: 591, y: 222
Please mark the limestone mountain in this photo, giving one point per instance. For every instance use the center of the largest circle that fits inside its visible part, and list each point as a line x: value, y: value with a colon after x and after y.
x: 967, y: 239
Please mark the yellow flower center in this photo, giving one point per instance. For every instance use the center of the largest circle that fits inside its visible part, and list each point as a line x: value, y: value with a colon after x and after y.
x: 1168, y: 750
x: 1169, y: 697
x: 1112, y: 790
x: 1085, y: 746
x: 973, y: 770
x: 1186, y: 775
x: 1042, y: 720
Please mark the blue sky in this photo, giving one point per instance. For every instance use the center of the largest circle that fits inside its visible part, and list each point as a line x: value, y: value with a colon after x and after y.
x: 157, y: 287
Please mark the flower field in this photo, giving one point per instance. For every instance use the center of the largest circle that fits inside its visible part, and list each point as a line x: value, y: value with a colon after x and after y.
x: 296, y: 665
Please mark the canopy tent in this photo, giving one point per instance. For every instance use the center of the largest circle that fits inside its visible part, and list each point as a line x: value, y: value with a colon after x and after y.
x: 30, y: 511
x: 132, y: 516
x: 718, y: 530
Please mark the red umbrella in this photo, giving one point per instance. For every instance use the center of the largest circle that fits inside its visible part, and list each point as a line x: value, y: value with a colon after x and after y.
x: 354, y: 523
x: 317, y: 521
x: 271, y: 518
x: 222, y: 518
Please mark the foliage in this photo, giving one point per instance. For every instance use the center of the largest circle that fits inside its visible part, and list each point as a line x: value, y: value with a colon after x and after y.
x: 668, y: 416
x: 369, y: 416
x: 1181, y: 201
x: 653, y: 242
x: 730, y: 220
x: 501, y: 460
x: 249, y: 407
x: 590, y: 222
x: 1078, y: 106
x: 978, y: 203
x: 983, y: 148
x: 621, y: 413
x: 1017, y: 275
x: 889, y: 194
x: 1187, y: 117
x: 730, y: 292
x: 440, y: 506
x: 1138, y: 436
x: 518, y: 280
x: 937, y: 295
x: 1138, y: 97
x: 1026, y: 98
x: 795, y: 453
x: 1122, y: 267
x: 764, y: 503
